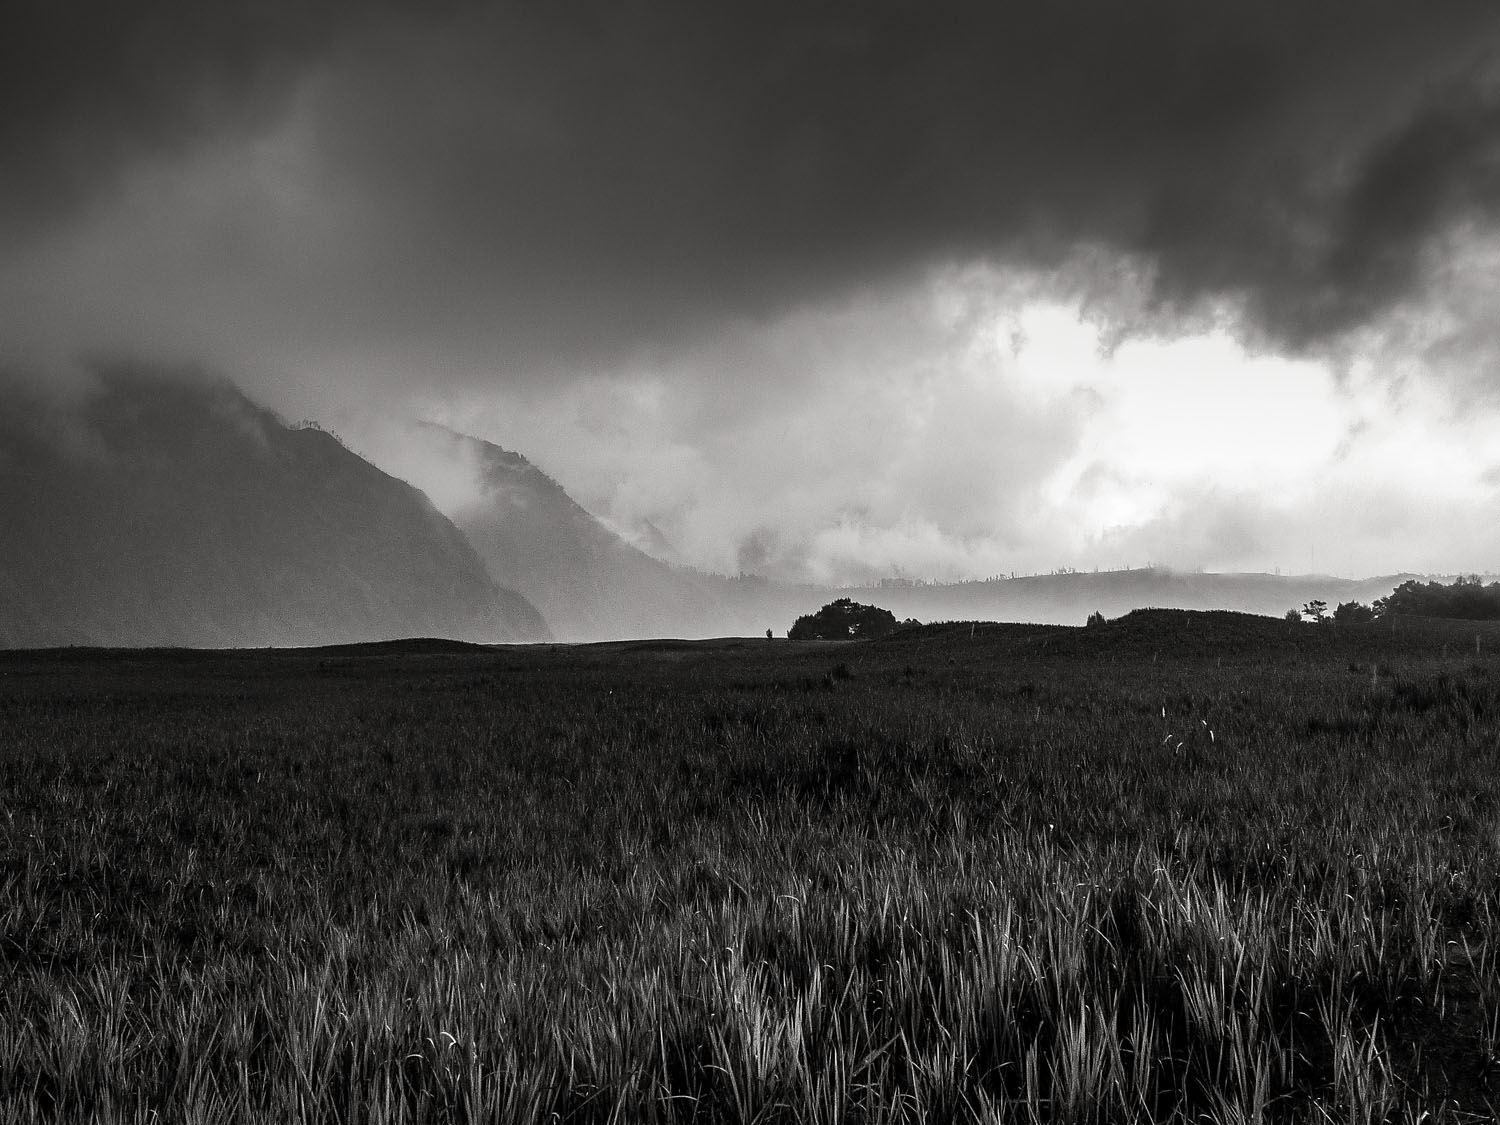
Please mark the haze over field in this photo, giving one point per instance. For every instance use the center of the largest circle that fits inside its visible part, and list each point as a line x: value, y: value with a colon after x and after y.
x: 822, y: 293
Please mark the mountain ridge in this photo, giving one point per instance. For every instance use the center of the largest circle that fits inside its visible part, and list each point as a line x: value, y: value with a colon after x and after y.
x: 169, y: 510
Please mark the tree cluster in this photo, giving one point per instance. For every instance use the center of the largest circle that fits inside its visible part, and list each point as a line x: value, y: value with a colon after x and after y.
x: 1347, y: 613
x: 1467, y: 599
x: 843, y: 620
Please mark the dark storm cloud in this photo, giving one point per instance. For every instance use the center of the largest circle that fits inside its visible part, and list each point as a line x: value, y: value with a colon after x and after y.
x: 648, y: 165
x: 88, y: 86
x: 1317, y: 260
x: 1442, y: 166
x: 574, y: 178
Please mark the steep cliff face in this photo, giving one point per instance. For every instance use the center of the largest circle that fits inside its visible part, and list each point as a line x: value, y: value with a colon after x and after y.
x: 166, y: 511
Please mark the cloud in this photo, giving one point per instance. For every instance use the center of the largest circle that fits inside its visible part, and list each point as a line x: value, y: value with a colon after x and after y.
x: 871, y: 414
x: 1437, y: 171
x: 812, y: 288
x: 90, y: 89
x: 469, y: 191
x: 627, y: 178
x: 979, y: 424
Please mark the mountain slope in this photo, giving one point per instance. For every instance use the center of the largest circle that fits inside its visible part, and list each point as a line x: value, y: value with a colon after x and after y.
x: 587, y: 581
x: 163, y: 511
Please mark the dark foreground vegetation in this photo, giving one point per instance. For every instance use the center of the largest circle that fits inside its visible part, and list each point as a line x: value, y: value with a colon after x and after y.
x: 1178, y: 867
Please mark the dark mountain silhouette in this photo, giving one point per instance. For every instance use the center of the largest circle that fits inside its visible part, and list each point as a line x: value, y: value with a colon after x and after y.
x: 169, y: 511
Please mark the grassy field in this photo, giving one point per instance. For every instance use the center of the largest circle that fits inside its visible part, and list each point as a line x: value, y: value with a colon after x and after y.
x: 1182, y: 867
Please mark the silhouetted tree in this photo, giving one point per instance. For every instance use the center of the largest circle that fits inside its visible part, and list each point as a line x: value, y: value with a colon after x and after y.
x: 1352, y: 613
x: 843, y: 619
x: 1317, y: 609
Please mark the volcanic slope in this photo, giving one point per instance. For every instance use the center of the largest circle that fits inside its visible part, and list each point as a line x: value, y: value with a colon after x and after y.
x: 159, y: 509
x: 589, y: 583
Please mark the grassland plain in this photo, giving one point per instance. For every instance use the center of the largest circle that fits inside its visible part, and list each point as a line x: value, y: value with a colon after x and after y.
x: 1181, y: 867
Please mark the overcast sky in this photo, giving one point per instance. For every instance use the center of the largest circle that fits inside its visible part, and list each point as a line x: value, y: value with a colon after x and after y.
x: 816, y: 290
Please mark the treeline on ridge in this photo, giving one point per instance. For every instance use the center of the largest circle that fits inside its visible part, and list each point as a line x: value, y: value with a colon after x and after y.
x: 1467, y: 599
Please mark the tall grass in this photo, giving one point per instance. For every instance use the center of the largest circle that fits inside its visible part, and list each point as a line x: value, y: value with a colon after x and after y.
x: 975, y: 879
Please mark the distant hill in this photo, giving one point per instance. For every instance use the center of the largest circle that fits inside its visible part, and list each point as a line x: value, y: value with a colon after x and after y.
x: 1068, y: 599
x: 168, y: 511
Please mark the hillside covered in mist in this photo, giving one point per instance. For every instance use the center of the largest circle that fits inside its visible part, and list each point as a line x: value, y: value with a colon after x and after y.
x: 587, y: 581
x: 152, y: 510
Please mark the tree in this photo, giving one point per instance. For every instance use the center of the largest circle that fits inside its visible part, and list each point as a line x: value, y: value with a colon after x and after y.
x: 1096, y: 619
x: 1317, y: 609
x: 1353, y: 613
x: 842, y: 620
x: 1294, y: 615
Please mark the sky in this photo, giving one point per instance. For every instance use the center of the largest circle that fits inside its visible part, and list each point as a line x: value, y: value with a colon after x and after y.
x: 815, y: 290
